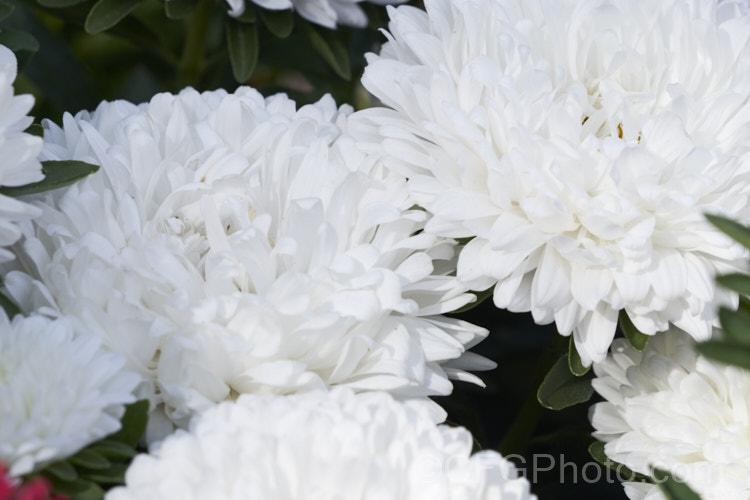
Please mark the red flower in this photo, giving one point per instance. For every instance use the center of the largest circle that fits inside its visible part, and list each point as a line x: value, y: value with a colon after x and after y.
x: 34, y: 489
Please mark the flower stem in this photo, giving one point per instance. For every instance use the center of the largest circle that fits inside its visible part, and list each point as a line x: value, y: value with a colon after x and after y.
x: 196, y: 29
x: 517, y: 437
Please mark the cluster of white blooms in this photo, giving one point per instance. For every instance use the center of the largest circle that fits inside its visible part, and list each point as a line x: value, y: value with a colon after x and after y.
x: 234, y: 244
x: 579, y: 143
x: 59, y: 391
x: 19, y: 152
x: 320, y: 446
x: 328, y: 13
x: 670, y: 408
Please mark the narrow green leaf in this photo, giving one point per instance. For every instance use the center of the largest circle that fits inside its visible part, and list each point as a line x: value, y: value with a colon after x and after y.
x: 334, y: 53
x: 61, y: 470
x: 574, y: 360
x: 637, y: 339
x: 23, y: 44
x: 113, y: 449
x: 596, y: 450
x: 726, y: 352
x: 107, y: 13
x: 672, y: 487
x: 58, y: 4
x: 738, y: 282
x: 242, y: 40
x: 89, y: 459
x: 10, y: 308
x: 80, y: 489
x: 115, y: 474
x: 561, y: 389
x: 133, y: 423
x: 6, y: 10
x: 734, y: 230
x: 736, y: 325
x: 57, y: 174
x: 179, y: 9
x: 35, y: 129
x: 248, y: 15
x: 481, y: 297
x: 278, y: 22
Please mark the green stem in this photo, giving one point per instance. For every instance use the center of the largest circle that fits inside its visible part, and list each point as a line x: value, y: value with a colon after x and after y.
x: 522, y: 429
x: 191, y: 64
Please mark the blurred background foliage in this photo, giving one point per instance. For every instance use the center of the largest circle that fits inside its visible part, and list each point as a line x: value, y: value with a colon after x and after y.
x: 75, y: 53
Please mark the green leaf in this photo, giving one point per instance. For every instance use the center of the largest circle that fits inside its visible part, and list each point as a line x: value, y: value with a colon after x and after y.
x: 242, y: 40
x: 89, y: 459
x: 736, y: 325
x: 61, y: 470
x: 35, y: 129
x: 112, y: 449
x: 481, y: 297
x: 734, y: 230
x: 6, y: 10
x: 730, y: 353
x: 10, y: 307
x: 57, y: 174
x: 738, y: 282
x: 133, y: 423
x: 58, y: 4
x: 561, y: 389
x: 673, y: 488
x: 574, y: 360
x: 179, y: 9
x: 637, y: 339
x: 115, y: 474
x: 107, y: 13
x: 23, y: 44
x: 596, y: 450
x: 334, y: 53
x: 278, y: 22
x: 248, y: 15
x: 80, y: 489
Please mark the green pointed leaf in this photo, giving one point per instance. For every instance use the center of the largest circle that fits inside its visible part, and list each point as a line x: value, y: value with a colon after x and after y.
x: 89, y: 459
x: 596, y: 450
x: 6, y: 10
x: 179, y: 9
x: 730, y: 353
x: 242, y: 40
x: 738, y: 282
x: 734, y: 230
x: 58, y: 4
x: 35, y: 129
x: 574, y: 360
x: 334, y: 53
x: 113, y: 449
x: 107, y: 13
x: 561, y: 389
x: 248, y: 15
x: 61, y: 470
x: 736, y: 325
x: 80, y: 489
x: 637, y: 339
x: 57, y: 174
x: 23, y: 44
x: 10, y: 307
x: 673, y: 488
x: 115, y: 474
x: 133, y: 423
x: 481, y: 297
x: 278, y: 22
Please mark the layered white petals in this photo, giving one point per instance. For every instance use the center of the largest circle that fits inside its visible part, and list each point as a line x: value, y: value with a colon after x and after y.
x: 59, y: 390
x: 320, y: 446
x: 19, y: 152
x: 580, y: 143
x: 232, y: 244
x: 670, y: 408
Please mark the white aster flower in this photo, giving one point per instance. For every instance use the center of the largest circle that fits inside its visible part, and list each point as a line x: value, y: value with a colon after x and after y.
x: 579, y: 143
x: 333, y: 445
x: 328, y: 13
x: 670, y: 408
x: 18, y: 151
x: 233, y: 244
x: 59, y: 391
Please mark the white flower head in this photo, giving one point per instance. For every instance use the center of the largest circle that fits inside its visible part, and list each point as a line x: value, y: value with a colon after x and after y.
x: 579, y: 143
x: 670, y: 408
x: 232, y: 244
x: 18, y: 151
x: 328, y: 13
x: 320, y: 446
x: 60, y: 392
